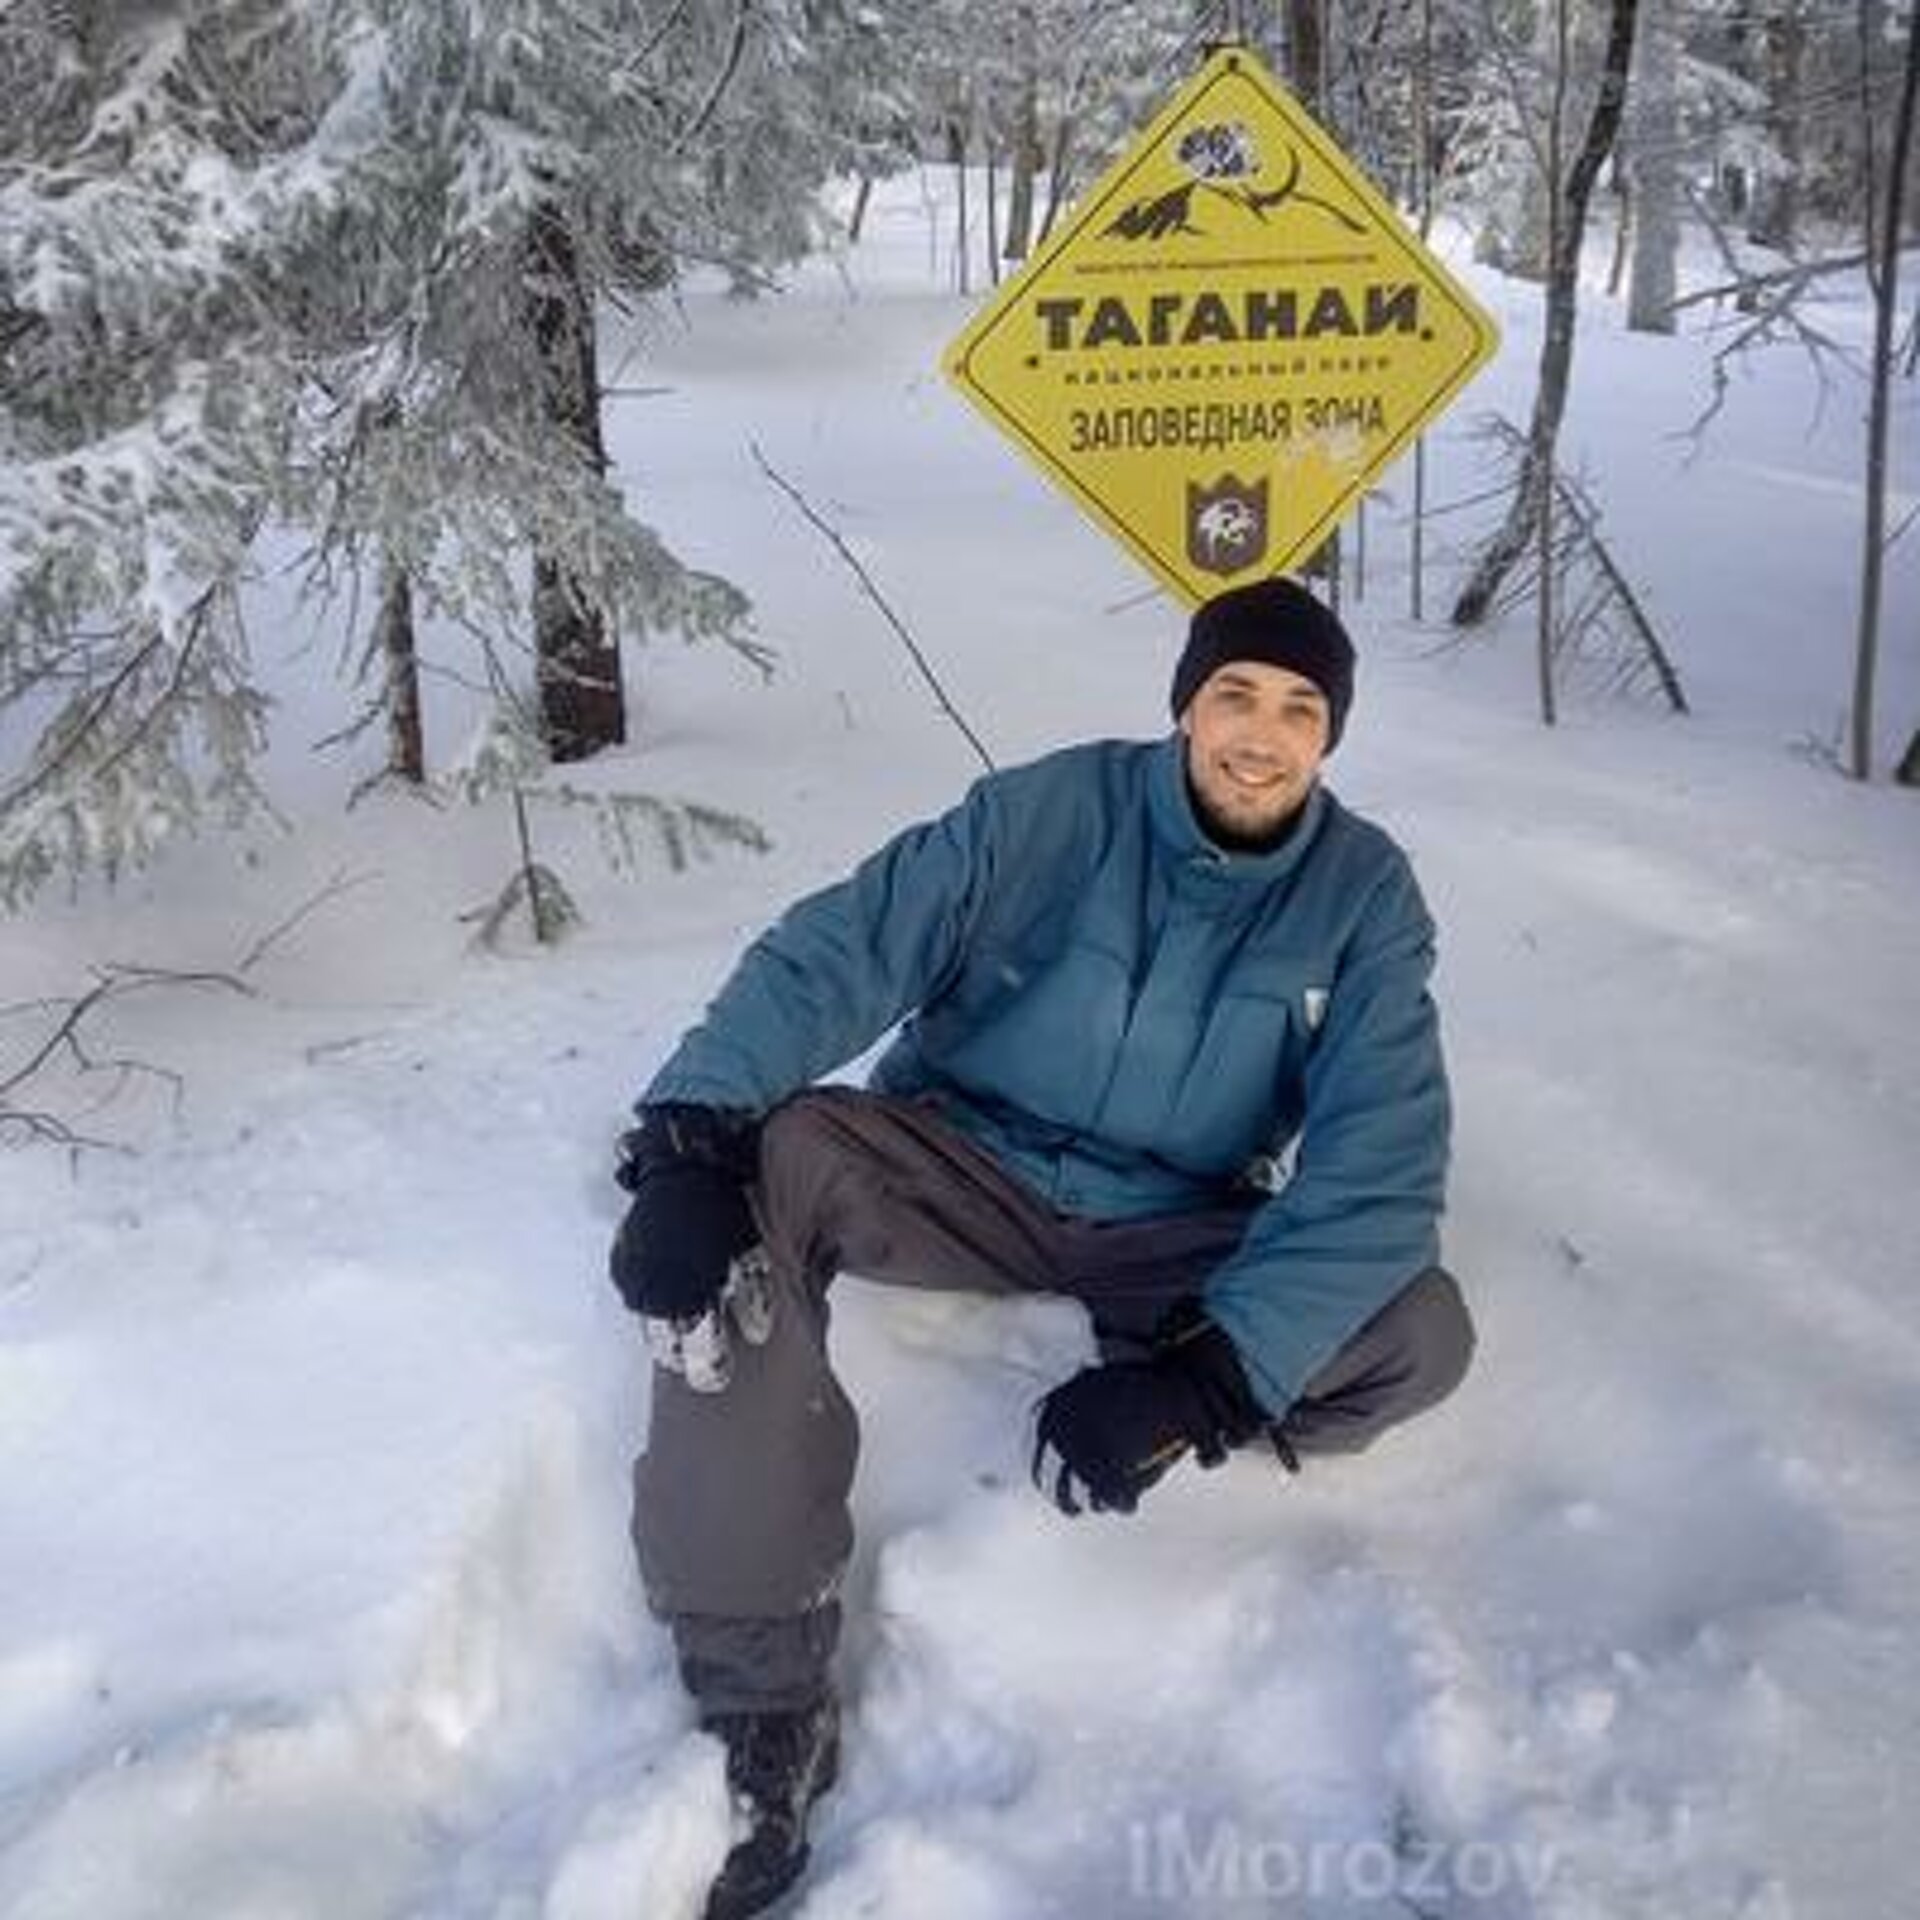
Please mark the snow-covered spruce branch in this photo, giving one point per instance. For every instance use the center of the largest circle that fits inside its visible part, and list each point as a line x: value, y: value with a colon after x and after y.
x: 79, y: 732
x: 507, y: 757
x: 163, y: 725
x: 267, y: 260
x: 632, y: 826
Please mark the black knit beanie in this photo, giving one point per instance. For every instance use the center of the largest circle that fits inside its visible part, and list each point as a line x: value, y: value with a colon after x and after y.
x: 1279, y: 623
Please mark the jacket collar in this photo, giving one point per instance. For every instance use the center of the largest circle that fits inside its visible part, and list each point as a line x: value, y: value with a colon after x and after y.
x: 1177, y: 828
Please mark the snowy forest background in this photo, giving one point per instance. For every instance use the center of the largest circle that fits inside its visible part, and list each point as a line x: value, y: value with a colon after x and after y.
x: 329, y: 272
x: 404, y: 403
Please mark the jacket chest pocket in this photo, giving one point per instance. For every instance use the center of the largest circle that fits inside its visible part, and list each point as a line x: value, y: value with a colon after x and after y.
x: 1241, y: 1093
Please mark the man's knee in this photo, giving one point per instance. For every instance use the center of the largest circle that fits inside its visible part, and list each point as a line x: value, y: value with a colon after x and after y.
x: 1437, y: 1334
x: 1408, y: 1358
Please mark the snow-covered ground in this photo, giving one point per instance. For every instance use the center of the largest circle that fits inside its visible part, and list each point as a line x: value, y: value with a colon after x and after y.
x: 315, y: 1414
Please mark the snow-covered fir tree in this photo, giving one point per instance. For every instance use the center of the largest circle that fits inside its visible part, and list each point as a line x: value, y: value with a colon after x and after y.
x: 332, y: 264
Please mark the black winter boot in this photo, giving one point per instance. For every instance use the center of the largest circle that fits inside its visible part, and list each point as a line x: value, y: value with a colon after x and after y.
x: 778, y: 1765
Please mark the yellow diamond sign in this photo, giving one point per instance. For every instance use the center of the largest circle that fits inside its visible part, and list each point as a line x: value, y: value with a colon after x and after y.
x: 1228, y: 342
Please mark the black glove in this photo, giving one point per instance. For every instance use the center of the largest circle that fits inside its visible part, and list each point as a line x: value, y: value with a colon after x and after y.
x: 677, y: 1132
x: 1104, y: 1437
x: 686, y: 1258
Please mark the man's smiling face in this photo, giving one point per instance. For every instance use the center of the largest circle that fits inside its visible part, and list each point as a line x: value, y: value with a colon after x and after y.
x: 1255, y: 735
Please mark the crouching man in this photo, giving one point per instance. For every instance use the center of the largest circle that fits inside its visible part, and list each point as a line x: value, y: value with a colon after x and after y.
x: 1165, y: 1045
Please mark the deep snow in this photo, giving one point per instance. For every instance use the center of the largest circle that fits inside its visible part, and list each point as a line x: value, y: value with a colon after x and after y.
x: 314, y: 1415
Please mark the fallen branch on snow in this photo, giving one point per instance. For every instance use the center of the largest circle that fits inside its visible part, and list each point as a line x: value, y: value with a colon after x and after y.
x: 68, y: 1042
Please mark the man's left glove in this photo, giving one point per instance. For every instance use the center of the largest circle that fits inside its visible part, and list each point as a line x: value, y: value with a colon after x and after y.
x: 687, y: 1258
x: 1104, y: 1437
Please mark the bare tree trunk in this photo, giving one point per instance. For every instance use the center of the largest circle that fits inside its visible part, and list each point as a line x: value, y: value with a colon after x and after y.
x: 1556, y: 350
x: 862, y: 196
x: 1027, y: 156
x: 582, y: 701
x: 1307, y: 52
x: 1058, y: 174
x: 1306, y: 70
x: 1885, y: 273
x: 1547, y: 452
x: 957, y: 153
x: 1623, y: 226
x: 1423, y: 196
x: 393, y: 632
x: 1512, y: 236
x: 1653, y: 165
x: 1775, y: 213
x: 993, y: 212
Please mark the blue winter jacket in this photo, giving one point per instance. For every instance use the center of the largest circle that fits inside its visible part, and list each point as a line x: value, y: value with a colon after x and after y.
x: 1135, y: 1023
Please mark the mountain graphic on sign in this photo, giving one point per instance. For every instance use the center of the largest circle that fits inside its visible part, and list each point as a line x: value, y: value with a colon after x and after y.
x: 1224, y: 160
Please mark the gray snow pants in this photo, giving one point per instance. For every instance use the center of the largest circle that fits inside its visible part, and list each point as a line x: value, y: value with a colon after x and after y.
x: 740, y: 1515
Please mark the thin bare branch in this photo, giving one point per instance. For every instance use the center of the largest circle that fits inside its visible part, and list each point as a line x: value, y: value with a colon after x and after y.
x: 1777, y: 313
x: 106, y: 1077
x: 341, y: 883
x: 832, y: 535
x: 102, y: 702
x: 111, y: 982
x: 1801, y: 274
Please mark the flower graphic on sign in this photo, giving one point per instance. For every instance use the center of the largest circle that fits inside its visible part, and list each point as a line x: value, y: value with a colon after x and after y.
x: 1224, y: 152
x: 1223, y: 161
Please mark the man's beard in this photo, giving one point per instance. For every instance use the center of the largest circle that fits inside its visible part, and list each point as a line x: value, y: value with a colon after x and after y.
x: 1230, y: 838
